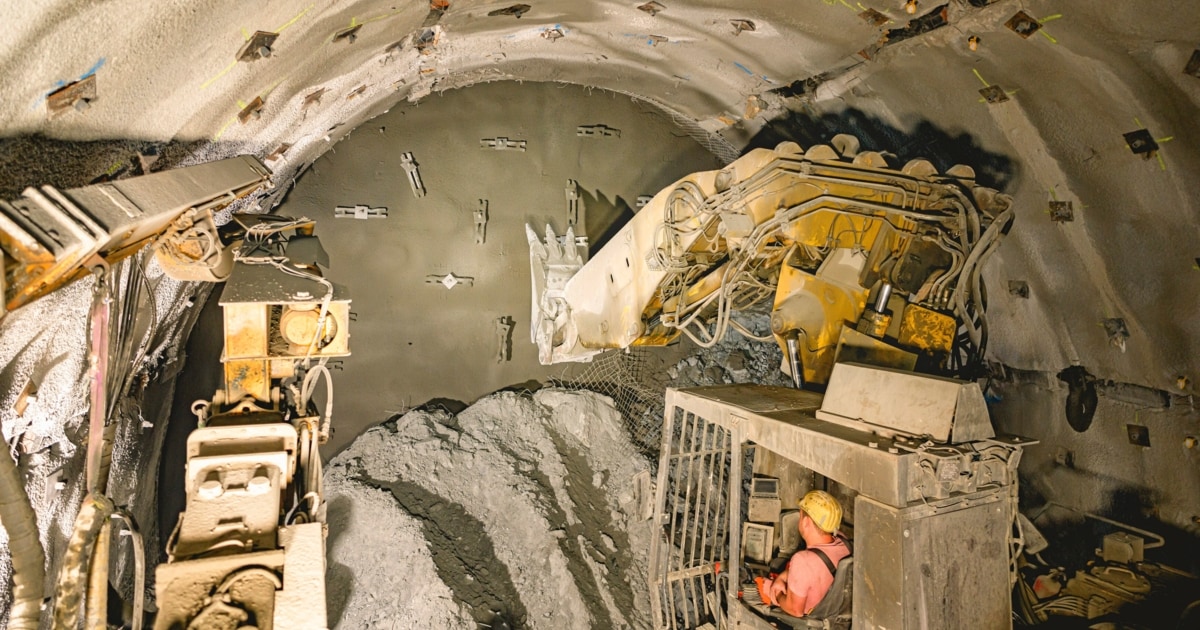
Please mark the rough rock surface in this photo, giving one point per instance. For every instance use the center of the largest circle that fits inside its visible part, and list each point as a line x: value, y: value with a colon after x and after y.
x: 521, y: 508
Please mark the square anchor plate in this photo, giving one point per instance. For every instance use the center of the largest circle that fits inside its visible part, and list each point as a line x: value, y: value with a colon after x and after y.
x: 994, y: 94
x: 1193, y: 65
x: 1141, y: 142
x: 1062, y: 211
x: 1138, y: 434
x: 1023, y: 24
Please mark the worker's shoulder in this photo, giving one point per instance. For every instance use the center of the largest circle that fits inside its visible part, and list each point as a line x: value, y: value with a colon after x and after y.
x: 806, y: 559
x: 835, y: 551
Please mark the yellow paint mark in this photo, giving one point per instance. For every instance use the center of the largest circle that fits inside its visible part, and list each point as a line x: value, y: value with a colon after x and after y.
x: 1048, y: 36
x: 353, y: 22
x: 847, y: 5
x: 388, y: 15
x: 219, y: 75
x: 1053, y: 195
x: 1161, y: 162
x: 1139, y: 122
x: 980, y: 77
x: 1167, y: 139
x: 114, y: 168
x: 224, y: 127
x: 294, y: 20
x: 271, y: 88
x: 245, y: 34
x: 1050, y: 18
x: 241, y: 105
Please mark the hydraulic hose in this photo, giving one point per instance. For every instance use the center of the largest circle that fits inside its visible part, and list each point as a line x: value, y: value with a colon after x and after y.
x: 28, y: 557
x: 77, y: 560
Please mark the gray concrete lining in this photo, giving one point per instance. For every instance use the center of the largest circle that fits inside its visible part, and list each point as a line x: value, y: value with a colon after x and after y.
x: 167, y: 79
x: 413, y: 341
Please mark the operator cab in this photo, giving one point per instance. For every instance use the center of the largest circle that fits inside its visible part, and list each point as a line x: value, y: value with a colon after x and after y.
x: 927, y: 489
x: 771, y: 536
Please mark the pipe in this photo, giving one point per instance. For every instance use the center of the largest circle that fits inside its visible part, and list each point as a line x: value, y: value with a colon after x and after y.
x: 28, y: 557
x: 793, y: 348
x: 76, y: 561
x: 881, y: 300
x: 95, y: 606
x: 139, y: 566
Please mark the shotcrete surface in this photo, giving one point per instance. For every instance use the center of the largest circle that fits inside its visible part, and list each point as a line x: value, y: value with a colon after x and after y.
x: 413, y: 341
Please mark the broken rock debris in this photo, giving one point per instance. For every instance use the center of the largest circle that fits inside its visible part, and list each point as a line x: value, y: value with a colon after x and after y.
x: 521, y: 509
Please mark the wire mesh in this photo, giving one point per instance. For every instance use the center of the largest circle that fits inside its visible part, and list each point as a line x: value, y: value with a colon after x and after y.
x: 636, y: 382
x: 713, y: 142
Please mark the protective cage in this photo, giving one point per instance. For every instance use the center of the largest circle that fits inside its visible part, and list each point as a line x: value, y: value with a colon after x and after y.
x: 695, y: 490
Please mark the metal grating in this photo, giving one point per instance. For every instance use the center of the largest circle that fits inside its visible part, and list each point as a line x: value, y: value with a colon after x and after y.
x: 692, y: 499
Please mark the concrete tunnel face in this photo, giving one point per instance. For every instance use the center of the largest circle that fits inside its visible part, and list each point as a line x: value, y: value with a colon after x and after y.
x: 331, y: 100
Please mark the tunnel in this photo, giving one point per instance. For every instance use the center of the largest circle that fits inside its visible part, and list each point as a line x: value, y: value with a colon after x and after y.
x: 468, y: 481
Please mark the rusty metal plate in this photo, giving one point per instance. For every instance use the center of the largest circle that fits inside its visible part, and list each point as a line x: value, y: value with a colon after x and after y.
x: 1062, y: 211
x: 253, y: 110
x: 1193, y: 65
x: 75, y: 95
x: 258, y: 46
x: 244, y: 378
x: 1023, y: 24
x: 926, y: 330
x: 993, y: 94
x: 245, y: 331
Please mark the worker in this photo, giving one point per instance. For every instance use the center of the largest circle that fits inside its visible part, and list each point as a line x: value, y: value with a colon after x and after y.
x: 809, y: 572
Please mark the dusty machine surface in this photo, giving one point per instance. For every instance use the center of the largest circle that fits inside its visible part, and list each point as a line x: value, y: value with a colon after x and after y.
x: 929, y: 491
x: 249, y: 547
x: 856, y: 258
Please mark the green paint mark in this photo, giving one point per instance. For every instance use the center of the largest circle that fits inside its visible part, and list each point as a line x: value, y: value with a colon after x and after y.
x: 980, y: 77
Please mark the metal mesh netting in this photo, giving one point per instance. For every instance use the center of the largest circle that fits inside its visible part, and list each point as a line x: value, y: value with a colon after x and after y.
x: 714, y: 142
x: 636, y: 381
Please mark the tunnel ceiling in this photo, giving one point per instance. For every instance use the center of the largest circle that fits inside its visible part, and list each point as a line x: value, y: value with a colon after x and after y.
x: 1112, y: 290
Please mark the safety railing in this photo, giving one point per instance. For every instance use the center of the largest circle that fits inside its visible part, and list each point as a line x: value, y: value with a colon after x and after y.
x: 697, y: 466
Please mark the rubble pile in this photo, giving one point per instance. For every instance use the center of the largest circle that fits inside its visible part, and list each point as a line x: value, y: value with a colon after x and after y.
x: 520, y: 510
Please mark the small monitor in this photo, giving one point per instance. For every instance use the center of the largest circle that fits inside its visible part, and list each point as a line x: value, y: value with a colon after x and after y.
x: 758, y: 542
x: 764, y: 486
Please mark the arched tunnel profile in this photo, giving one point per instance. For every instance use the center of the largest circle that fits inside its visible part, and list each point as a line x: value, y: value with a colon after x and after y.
x: 449, y: 314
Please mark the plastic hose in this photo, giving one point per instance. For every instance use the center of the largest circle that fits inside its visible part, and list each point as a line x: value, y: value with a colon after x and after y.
x: 28, y: 557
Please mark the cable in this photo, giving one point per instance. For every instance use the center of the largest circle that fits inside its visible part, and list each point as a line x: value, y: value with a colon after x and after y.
x: 306, y: 391
x: 139, y: 565
x: 25, y: 547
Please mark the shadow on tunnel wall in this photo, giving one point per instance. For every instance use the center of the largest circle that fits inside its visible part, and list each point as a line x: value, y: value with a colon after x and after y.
x: 1074, y: 538
x: 36, y: 160
x: 926, y: 140
x: 1074, y: 542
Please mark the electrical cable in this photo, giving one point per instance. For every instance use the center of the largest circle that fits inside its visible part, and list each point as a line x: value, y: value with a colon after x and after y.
x: 139, y: 565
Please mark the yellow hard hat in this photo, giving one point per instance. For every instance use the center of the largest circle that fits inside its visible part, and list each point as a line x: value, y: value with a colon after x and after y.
x: 823, y: 509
